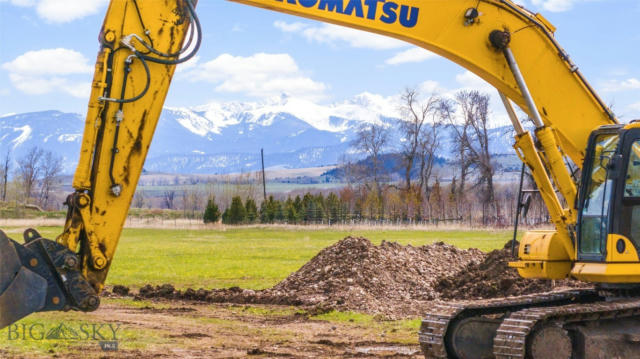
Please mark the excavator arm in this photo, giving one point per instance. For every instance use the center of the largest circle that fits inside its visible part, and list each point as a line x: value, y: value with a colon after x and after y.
x: 141, y: 42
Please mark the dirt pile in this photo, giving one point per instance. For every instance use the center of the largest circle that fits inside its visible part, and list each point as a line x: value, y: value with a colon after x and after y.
x: 354, y: 274
x: 493, y: 278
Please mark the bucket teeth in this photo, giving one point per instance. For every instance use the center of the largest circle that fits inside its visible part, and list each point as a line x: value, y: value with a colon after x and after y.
x: 22, y: 291
x: 37, y: 276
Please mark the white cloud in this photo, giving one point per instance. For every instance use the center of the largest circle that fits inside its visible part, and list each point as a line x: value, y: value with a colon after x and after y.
x: 48, y: 70
x: 557, y: 5
x: 431, y: 87
x: 469, y: 80
x: 259, y: 75
x: 635, y: 106
x: 190, y: 64
x: 621, y: 85
x: 334, y: 35
x: 60, y: 11
x: 415, y: 54
x: 23, y: 3
x: 58, y: 61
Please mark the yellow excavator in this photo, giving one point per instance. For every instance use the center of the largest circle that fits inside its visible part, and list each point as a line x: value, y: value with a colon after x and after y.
x: 596, y: 216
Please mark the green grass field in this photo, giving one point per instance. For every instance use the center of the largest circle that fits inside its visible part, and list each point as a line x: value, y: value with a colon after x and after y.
x: 254, y: 258
x: 246, y: 257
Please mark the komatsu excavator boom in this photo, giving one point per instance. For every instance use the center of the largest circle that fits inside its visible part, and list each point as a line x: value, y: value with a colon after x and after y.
x: 595, y: 239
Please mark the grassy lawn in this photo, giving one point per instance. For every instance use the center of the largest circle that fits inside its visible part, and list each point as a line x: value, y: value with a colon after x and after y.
x: 253, y: 258
x: 245, y: 257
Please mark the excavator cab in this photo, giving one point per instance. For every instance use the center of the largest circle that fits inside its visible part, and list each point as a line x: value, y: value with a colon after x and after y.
x: 608, y: 230
x: 606, y: 236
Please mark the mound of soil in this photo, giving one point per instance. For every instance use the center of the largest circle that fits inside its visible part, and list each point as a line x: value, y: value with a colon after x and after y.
x: 354, y: 274
x: 493, y: 278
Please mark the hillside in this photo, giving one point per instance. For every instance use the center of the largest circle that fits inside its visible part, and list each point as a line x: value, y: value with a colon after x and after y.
x: 220, y: 138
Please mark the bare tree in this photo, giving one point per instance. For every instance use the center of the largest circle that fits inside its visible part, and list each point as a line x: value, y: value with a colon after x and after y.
x: 415, y: 114
x: 5, y: 174
x: 168, y: 198
x: 473, y: 138
x: 372, y: 139
x: 50, y: 168
x: 447, y: 109
x: 197, y: 201
x: 29, y: 168
x: 139, y: 199
x: 429, y: 145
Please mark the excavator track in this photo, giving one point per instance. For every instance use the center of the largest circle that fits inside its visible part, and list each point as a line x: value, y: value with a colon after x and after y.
x: 511, y: 321
x: 514, y: 332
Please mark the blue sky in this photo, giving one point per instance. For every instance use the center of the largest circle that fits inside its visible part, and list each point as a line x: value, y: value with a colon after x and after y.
x: 47, y: 53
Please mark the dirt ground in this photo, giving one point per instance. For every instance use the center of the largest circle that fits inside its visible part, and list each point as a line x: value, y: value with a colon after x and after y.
x: 180, y: 329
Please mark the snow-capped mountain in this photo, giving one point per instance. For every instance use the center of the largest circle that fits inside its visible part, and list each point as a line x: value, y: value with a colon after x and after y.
x: 227, y: 137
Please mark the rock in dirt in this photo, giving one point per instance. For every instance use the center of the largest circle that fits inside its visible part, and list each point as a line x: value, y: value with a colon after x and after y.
x: 493, y: 278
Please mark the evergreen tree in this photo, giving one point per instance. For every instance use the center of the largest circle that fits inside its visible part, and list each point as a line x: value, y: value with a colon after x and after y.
x: 308, y: 208
x: 290, y: 209
x: 236, y: 213
x: 436, y: 199
x: 271, y: 210
x: 251, y: 210
x: 279, y: 211
x: 297, y: 205
x: 333, y: 208
x: 453, y: 197
x: 320, y: 210
x: 264, y: 209
x: 211, y: 212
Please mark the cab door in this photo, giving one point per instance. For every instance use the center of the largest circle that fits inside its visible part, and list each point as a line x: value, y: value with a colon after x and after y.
x: 596, y: 193
x: 626, y: 208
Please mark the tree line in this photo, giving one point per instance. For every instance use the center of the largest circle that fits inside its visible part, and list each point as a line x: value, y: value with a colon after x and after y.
x: 306, y: 209
x: 422, y: 193
x: 419, y: 193
x: 33, y: 179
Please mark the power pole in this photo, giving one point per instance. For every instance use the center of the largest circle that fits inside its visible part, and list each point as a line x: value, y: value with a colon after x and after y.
x: 5, y: 175
x: 264, y: 181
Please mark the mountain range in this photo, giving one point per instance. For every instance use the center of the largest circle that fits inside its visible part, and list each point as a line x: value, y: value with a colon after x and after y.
x: 227, y: 137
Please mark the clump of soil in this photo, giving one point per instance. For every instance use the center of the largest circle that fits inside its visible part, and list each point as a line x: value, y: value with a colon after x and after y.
x: 493, y: 278
x: 120, y: 290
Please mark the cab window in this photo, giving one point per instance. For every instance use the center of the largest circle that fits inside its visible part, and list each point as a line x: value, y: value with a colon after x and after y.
x: 595, y: 210
x: 630, y: 216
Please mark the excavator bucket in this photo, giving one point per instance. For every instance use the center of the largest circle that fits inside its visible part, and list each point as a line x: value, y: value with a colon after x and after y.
x: 40, y: 275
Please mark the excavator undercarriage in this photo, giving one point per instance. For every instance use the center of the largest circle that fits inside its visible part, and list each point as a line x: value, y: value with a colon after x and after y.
x: 584, y: 323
